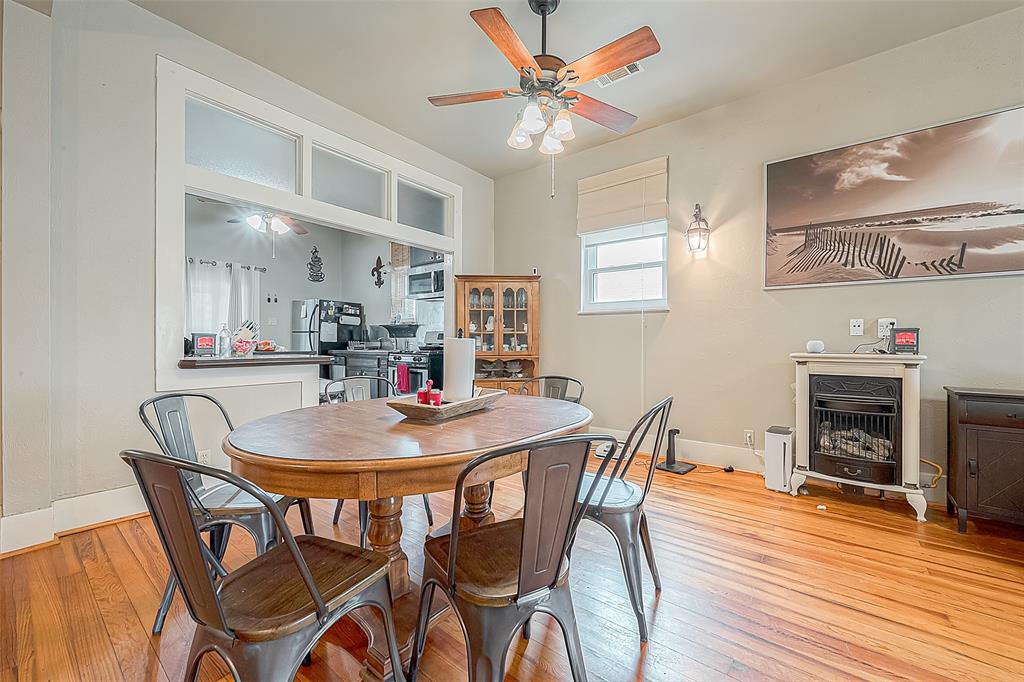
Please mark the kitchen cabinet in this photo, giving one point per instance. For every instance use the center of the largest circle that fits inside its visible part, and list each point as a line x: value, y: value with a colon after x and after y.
x: 986, y: 454
x: 502, y: 314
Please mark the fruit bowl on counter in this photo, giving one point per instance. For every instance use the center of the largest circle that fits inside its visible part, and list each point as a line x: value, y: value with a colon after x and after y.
x: 243, y: 348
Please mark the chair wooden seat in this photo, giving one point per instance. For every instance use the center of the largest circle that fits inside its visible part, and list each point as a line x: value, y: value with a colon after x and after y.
x: 227, y: 500
x: 487, y: 565
x: 257, y: 613
x: 622, y: 495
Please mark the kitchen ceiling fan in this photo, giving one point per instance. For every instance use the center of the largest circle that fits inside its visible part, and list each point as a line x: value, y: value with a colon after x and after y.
x: 547, y: 82
x: 274, y: 222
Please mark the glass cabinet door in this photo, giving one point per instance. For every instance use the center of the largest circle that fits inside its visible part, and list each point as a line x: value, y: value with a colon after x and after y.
x: 482, y: 310
x: 515, y: 322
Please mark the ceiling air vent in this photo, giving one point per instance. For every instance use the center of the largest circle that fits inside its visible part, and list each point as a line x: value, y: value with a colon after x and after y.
x: 618, y: 74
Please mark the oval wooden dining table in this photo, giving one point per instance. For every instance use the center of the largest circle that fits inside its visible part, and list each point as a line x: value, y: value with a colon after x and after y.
x: 365, y: 450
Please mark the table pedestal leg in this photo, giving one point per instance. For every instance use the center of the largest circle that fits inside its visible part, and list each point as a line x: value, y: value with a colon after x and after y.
x: 477, y: 511
x: 385, y: 535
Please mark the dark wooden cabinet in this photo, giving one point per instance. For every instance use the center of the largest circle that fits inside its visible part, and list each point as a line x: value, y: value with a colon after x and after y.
x: 986, y: 454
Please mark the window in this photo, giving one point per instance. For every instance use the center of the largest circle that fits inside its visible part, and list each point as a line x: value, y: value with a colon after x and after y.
x: 625, y: 269
x: 227, y: 143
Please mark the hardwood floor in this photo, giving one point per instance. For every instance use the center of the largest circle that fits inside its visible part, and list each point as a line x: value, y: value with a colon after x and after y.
x: 757, y: 585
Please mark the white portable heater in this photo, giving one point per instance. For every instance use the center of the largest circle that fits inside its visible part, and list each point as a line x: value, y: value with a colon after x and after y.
x: 778, y: 457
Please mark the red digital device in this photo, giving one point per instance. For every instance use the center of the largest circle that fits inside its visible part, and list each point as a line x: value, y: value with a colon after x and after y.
x: 204, y: 344
x: 906, y: 340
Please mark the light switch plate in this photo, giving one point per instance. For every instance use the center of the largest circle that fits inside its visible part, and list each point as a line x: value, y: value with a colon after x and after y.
x: 857, y: 326
x: 884, y: 325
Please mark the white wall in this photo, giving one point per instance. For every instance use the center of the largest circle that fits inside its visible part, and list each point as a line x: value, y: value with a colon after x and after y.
x: 25, y: 265
x: 723, y: 349
x: 359, y: 253
x: 103, y: 138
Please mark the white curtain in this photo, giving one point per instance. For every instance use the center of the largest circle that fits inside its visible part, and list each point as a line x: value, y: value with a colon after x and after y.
x: 207, y: 289
x: 244, y: 299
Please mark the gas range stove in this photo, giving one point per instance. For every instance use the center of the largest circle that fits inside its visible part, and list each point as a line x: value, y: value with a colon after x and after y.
x: 414, y: 357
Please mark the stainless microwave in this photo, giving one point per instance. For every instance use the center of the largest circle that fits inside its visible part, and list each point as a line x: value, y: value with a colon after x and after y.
x: 426, y: 282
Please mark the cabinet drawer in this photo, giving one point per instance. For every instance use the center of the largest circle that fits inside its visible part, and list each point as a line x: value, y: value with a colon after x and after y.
x: 994, y: 413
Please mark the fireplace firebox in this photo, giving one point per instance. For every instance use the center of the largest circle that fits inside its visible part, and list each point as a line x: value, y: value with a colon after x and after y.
x: 855, y: 425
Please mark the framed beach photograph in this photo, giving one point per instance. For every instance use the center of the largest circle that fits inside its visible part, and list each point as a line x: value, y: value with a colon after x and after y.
x: 941, y: 202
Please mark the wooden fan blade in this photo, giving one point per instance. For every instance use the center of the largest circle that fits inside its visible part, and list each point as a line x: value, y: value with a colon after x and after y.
x: 604, y: 114
x: 293, y: 225
x: 467, y: 97
x: 504, y: 37
x: 629, y: 48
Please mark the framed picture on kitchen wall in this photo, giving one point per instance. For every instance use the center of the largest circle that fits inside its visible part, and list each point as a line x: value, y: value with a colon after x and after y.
x: 940, y: 202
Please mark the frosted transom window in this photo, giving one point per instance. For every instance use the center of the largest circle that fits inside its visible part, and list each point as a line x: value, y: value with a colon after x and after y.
x: 346, y: 182
x: 422, y: 208
x: 223, y: 142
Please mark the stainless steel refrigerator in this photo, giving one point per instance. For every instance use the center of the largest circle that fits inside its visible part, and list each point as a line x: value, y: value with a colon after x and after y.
x: 321, y: 325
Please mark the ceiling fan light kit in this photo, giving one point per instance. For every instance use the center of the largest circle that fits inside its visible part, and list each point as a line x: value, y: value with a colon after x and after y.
x: 518, y: 138
x: 551, y: 144
x: 545, y: 79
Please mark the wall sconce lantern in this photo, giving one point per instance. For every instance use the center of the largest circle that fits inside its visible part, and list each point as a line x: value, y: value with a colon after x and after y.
x: 698, y: 233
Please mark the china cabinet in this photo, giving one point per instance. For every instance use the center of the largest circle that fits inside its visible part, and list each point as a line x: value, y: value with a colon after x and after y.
x: 501, y: 313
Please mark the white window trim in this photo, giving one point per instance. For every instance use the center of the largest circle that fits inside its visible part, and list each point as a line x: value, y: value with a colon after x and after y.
x: 174, y: 179
x: 590, y: 307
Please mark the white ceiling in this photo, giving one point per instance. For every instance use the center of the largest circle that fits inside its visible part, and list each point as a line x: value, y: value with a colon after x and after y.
x: 382, y: 59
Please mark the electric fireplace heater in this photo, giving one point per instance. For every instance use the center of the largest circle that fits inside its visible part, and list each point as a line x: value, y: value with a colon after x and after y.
x: 858, y: 422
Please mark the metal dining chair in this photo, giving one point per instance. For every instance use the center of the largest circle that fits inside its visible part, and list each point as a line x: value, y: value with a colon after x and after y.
x: 360, y: 388
x: 497, y: 576
x: 619, y: 505
x: 555, y: 386
x: 550, y: 386
x: 223, y: 501
x: 266, y: 616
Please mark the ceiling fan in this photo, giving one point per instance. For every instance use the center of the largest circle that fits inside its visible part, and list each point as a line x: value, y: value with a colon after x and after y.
x: 546, y: 80
x: 274, y: 222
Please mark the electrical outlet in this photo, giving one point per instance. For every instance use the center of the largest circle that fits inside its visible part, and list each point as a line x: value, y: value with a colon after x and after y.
x: 857, y: 326
x: 884, y: 325
x: 204, y: 457
x: 748, y: 437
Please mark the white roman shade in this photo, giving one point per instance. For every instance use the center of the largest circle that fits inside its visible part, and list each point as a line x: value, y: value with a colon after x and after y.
x: 628, y: 196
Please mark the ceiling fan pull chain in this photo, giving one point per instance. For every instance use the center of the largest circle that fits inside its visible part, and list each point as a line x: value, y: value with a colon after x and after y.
x: 552, y: 176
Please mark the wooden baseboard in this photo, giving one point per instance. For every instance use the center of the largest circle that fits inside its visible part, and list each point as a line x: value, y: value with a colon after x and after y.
x: 70, y: 531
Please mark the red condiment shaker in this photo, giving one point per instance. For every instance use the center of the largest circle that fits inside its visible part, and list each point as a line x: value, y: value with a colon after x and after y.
x: 435, y: 397
x: 423, y: 395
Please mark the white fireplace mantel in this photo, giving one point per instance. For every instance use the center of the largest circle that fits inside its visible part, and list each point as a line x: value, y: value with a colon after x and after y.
x: 904, y: 367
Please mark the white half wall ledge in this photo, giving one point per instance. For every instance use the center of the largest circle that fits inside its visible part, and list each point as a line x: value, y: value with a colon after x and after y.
x: 68, y: 514
x: 740, y: 458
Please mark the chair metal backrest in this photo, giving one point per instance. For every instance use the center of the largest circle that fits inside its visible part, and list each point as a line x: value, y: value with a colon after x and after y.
x: 555, y: 386
x: 175, y: 437
x: 656, y: 416
x: 551, y: 514
x: 165, y: 489
x: 350, y: 389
